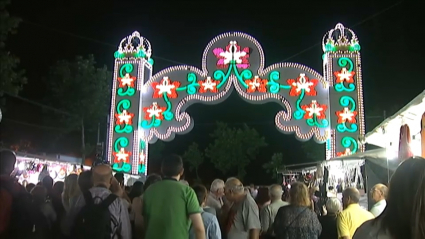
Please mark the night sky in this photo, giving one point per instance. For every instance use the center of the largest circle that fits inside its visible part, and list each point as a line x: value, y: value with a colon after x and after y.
x: 392, y: 54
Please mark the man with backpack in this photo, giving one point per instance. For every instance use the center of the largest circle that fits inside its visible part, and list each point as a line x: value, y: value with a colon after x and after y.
x: 100, y: 212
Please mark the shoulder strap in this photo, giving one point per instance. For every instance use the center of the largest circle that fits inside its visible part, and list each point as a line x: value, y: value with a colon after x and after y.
x: 88, y: 198
x: 299, y: 214
x: 109, y: 200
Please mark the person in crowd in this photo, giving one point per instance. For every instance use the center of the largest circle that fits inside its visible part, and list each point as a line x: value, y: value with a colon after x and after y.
x: 47, y: 182
x: 71, y: 191
x: 378, y: 194
x: 297, y: 220
x: 263, y: 198
x: 135, y: 195
x: 120, y: 178
x: 104, y: 184
x: 172, y: 205
x: 243, y: 219
x: 404, y: 215
x: 136, y: 191
x: 268, y: 213
x: 215, y: 197
x: 85, y: 181
x: 353, y: 215
x: 212, y: 228
x: 253, y: 190
x: 328, y: 220
x: 11, y: 194
x: 29, y: 187
x: 57, y: 188
x: 137, y: 205
x: 151, y: 179
x: 39, y: 196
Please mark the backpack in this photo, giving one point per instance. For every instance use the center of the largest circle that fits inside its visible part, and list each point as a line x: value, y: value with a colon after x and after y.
x: 94, y: 220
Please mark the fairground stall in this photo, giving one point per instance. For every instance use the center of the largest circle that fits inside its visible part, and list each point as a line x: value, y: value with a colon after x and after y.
x: 31, y: 168
x: 403, y: 134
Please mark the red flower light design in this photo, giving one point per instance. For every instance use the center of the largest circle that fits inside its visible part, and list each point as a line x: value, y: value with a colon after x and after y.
x: 124, y: 118
x: 314, y: 109
x: 233, y: 52
x: 346, y: 115
x: 302, y: 83
x: 344, y: 153
x: 127, y: 80
x: 165, y: 86
x: 208, y: 85
x: 256, y: 84
x: 122, y: 156
x: 344, y: 75
x: 154, y: 111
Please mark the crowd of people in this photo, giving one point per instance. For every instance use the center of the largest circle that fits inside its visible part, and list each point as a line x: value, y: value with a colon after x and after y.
x: 96, y: 204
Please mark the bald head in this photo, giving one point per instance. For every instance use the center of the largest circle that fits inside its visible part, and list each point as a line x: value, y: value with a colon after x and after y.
x: 234, y: 185
x: 275, y: 192
x: 382, y: 189
x: 102, y: 175
x: 352, y: 195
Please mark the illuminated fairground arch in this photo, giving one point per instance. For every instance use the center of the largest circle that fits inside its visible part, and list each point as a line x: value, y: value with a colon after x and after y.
x: 146, y: 108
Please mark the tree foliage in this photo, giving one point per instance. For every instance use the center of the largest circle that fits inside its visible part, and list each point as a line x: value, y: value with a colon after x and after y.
x: 275, y: 164
x: 234, y: 148
x: 314, y: 151
x: 11, y: 77
x: 81, y: 89
x: 194, y: 157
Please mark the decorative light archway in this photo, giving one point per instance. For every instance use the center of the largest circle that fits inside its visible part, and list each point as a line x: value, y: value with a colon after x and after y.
x: 145, y: 108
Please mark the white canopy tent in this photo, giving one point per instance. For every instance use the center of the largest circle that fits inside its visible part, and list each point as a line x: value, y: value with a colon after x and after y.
x: 387, y: 133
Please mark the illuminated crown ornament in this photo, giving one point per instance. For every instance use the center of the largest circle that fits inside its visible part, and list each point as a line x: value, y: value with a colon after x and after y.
x: 134, y: 46
x: 340, y: 39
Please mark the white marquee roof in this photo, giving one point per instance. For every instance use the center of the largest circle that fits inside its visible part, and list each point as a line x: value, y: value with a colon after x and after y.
x: 387, y: 133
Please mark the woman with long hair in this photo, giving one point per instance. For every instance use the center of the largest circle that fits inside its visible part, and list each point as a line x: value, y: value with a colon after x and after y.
x: 297, y: 221
x: 70, y: 191
x: 404, y: 215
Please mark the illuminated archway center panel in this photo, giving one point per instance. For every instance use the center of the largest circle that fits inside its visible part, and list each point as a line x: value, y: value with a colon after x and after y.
x: 328, y: 108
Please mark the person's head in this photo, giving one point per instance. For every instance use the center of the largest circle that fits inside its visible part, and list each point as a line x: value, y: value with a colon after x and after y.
x: 263, y: 196
x: 201, y: 193
x: 39, y: 194
x: 217, y: 187
x: 350, y: 196
x: 29, y: 187
x: 7, y: 162
x: 406, y: 201
x: 85, y: 181
x: 151, y: 179
x: 102, y: 176
x: 58, y: 187
x: 299, y: 195
x: 333, y: 206
x: 172, y: 166
x: 120, y: 178
x: 275, y: 192
x: 379, y: 192
x: 47, y: 182
x: 136, y: 190
x: 234, y: 190
x: 70, y: 188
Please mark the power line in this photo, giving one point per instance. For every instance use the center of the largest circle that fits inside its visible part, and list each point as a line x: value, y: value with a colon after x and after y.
x: 41, y: 105
x: 353, y: 26
x: 92, y: 40
x: 33, y: 125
